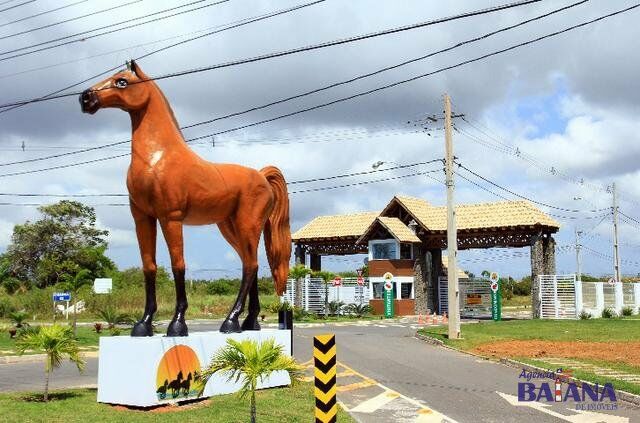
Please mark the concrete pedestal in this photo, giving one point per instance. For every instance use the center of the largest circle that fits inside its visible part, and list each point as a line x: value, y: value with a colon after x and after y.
x: 156, y: 370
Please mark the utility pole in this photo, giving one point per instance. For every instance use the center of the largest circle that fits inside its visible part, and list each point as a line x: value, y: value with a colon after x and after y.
x: 452, y: 230
x: 616, y: 254
x: 578, y: 258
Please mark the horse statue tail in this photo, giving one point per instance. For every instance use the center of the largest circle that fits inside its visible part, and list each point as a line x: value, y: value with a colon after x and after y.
x: 277, y: 234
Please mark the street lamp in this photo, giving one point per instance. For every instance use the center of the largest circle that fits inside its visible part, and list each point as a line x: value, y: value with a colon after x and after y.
x: 379, y: 163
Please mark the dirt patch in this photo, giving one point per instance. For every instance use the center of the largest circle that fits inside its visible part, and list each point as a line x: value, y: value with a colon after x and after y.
x: 626, y: 352
x: 166, y: 408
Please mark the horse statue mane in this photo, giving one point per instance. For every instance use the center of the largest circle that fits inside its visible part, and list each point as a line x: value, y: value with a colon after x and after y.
x: 170, y: 184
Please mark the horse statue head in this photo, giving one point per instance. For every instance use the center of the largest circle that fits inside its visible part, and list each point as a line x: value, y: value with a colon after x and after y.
x: 126, y: 90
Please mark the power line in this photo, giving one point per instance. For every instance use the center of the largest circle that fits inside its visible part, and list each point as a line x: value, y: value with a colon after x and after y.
x: 42, y: 13
x: 330, y: 103
x: 295, y: 182
x: 524, y: 197
x: 308, y: 47
x: 54, y: 94
x: 314, y: 91
x: 17, y: 5
x: 326, y: 188
x: 3, y: 53
x: 27, y: 31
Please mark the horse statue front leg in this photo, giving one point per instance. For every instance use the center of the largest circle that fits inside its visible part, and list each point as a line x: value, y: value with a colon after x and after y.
x: 172, y: 230
x: 146, y: 233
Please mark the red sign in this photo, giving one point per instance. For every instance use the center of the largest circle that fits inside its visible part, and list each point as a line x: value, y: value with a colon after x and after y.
x: 360, y: 280
x: 337, y: 281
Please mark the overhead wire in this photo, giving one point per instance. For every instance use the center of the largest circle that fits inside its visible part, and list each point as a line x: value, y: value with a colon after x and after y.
x: 111, y: 31
x: 41, y: 13
x: 232, y: 25
x: 17, y: 5
x: 30, y: 30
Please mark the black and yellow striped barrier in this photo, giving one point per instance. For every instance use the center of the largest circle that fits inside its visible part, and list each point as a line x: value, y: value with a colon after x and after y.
x: 324, y: 358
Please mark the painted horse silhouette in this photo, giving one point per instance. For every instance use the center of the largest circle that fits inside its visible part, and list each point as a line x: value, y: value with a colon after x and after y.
x: 170, y: 184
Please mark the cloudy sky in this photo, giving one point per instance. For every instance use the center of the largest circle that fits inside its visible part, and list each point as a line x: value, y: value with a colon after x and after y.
x: 555, y: 121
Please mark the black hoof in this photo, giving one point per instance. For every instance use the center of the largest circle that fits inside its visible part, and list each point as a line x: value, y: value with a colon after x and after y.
x: 250, y: 323
x: 230, y: 326
x: 177, y: 328
x: 142, y: 328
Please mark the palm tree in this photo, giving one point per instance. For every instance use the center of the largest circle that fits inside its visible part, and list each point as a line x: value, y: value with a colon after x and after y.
x: 298, y: 273
x: 19, y: 318
x: 250, y: 362
x: 113, y: 317
x: 73, y: 285
x: 57, y: 342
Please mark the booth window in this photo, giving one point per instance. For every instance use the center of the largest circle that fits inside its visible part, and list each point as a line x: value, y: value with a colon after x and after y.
x: 405, y: 251
x: 384, y: 251
x: 405, y: 290
x: 378, y: 290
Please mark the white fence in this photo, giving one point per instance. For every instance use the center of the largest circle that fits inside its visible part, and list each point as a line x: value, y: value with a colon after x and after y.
x: 475, y: 297
x: 563, y: 297
x: 314, y: 292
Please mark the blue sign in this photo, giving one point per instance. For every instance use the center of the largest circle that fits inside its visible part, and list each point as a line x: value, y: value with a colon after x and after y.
x: 61, y: 296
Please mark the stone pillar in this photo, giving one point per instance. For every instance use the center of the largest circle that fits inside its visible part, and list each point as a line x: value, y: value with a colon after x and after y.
x: 549, y: 245
x: 436, y: 272
x: 537, y: 268
x: 300, y: 255
x: 315, y: 262
x: 421, y: 280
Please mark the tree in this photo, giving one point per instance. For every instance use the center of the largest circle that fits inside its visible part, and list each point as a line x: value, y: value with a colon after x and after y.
x: 57, y: 342
x: 249, y: 362
x: 298, y: 273
x: 73, y: 285
x: 64, y: 239
x: 326, y: 276
x: 19, y: 318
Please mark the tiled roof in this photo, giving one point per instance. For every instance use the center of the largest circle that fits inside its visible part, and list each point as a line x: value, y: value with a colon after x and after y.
x: 336, y: 226
x: 478, y: 216
x: 399, y: 230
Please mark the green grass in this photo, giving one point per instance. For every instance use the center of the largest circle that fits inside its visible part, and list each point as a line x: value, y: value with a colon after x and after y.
x: 594, y: 330
x: 277, y: 405
x: 87, y: 338
x: 520, y: 301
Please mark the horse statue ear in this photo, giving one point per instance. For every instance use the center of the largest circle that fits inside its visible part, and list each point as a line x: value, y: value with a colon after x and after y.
x: 132, y: 66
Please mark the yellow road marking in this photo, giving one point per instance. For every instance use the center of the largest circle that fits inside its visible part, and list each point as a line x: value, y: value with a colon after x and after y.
x: 372, y: 404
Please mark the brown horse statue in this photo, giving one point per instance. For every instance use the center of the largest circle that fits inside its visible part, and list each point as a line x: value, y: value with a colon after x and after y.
x: 170, y: 184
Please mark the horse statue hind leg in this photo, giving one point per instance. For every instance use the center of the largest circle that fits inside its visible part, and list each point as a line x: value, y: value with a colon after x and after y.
x: 258, y: 210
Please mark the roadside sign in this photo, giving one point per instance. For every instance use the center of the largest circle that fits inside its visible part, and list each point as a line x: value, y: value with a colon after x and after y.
x: 494, y: 277
x: 102, y: 286
x: 337, y: 281
x: 611, y: 281
x: 494, y: 286
x: 359, y: 272
x: 61, y: 296
x: 360, y: 280
x: 496, y: 301
x: 388, y: 295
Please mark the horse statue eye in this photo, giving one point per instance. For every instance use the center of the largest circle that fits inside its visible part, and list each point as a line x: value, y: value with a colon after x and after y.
x: 121, y: 83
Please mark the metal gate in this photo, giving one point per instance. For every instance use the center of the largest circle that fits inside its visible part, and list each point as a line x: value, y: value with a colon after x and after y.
x: 314, y: 292
x: 557, y: 294
x: 475, y: 297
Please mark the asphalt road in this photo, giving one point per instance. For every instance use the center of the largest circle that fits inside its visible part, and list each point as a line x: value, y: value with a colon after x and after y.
x: 459, y: 386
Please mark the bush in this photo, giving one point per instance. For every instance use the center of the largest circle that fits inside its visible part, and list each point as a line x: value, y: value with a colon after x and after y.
x: 6, y: 306
x: 223, y: 287
x: 265, y: 286
x: 300, y: 313
x: 358, y: 310
x: 585, y: 315
x: 609, y: 313
x: 523, y: 287
x: 335, y: 307
x: 627, y: 311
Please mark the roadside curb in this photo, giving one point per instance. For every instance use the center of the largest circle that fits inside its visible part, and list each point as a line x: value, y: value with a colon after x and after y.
x: 32, y: 358
x: 622, y: 395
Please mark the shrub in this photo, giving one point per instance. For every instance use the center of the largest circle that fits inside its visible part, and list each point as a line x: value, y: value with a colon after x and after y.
x: 585, y: 315
x: 609, y: 313
x: 335, y: 307
x: 358, y: 310
x: 627, y: 311
x: 300, y: 313
x: 6, y: 307
x: 523, y: 287
x: 265, y: 286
